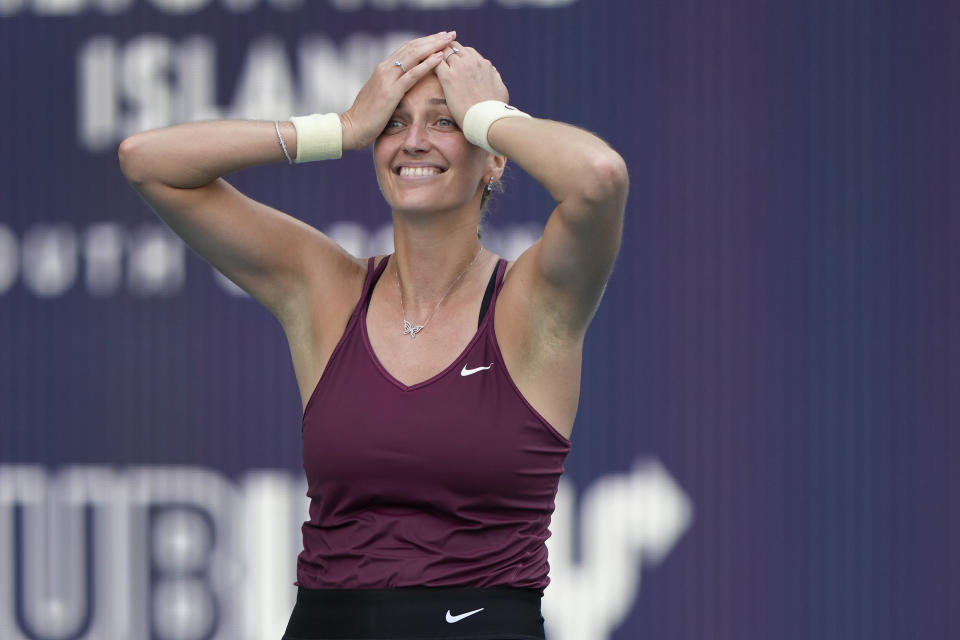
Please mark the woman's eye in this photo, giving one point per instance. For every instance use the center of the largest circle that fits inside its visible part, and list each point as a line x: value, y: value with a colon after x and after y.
x: 392, y: 126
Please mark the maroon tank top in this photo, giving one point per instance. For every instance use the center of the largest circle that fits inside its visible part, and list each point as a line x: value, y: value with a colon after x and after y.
x: 449, y: 482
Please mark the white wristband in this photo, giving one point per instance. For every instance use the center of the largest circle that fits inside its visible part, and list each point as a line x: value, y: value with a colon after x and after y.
x: 319, y: 137
x: 480, y: 116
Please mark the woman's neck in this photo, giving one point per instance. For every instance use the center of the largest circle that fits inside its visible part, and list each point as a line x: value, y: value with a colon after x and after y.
x: 429, y: 257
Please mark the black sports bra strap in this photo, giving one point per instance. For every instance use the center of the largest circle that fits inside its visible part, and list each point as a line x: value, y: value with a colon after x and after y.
x: 377, y: 272
x: 488, y: 295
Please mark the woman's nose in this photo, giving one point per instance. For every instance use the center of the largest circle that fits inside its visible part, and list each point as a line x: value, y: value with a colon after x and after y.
x: 416, y: 139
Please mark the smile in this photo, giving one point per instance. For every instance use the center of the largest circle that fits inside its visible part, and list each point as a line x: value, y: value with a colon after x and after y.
x: 419, y: 172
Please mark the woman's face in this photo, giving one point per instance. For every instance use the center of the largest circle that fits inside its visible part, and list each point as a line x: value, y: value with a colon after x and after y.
x: 423, y: 161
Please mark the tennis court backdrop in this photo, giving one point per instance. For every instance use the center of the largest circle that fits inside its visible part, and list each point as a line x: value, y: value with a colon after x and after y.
x: 763, y: 447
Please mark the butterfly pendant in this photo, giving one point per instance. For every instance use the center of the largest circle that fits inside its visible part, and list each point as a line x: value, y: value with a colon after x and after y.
x: 411, y: 329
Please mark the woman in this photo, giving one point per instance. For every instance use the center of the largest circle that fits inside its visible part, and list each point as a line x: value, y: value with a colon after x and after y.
x: 438, y: 400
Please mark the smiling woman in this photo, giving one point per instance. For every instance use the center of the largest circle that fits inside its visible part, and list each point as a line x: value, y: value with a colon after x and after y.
x: 446, y: 396
x: 424, y: 162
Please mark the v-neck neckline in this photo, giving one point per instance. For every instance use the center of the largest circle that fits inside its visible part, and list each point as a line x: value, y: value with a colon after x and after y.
x: 423, y: 383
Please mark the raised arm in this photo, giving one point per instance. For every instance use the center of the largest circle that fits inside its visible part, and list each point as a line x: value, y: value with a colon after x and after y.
x: 565, y: 272
x: 276, y: 258
x: 178, y: 172
x: 588, y: 180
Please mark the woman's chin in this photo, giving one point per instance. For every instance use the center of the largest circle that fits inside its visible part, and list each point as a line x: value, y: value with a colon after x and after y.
x: 417, y: 209
x: 420, y: 201
x: 414, y: 203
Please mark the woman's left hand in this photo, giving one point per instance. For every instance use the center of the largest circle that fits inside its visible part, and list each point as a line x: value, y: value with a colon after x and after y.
x: 468, y: 78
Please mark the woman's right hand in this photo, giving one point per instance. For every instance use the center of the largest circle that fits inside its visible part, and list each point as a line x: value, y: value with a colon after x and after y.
x: 378, y: 99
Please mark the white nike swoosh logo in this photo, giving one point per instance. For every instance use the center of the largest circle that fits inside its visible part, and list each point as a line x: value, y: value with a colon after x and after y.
x: 468, y: 372
x: 452, y: 618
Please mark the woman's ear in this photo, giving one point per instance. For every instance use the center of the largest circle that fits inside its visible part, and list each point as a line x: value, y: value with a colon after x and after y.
x: 499, y: 165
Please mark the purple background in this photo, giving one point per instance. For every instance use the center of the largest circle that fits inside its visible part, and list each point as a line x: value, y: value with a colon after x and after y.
x: 780, y: 330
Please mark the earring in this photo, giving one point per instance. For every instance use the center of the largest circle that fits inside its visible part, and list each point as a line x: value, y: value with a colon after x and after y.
x: 489, y: 186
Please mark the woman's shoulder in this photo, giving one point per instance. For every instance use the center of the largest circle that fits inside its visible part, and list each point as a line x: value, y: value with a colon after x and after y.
x: 332, y: 285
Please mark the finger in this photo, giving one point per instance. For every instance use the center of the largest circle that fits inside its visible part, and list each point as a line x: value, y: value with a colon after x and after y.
x: 415, y: 51
x: 443, y: 72
x: 464, y: 52
x: 440, y: 35
x: 413, y: 76
x: 471, y: 54
x: 447, y: 53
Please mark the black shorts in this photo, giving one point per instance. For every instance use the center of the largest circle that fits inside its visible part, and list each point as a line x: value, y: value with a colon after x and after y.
x: 416, y: 613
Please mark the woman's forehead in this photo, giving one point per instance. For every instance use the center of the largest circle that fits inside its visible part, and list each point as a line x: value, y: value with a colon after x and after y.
x: 426, y: 90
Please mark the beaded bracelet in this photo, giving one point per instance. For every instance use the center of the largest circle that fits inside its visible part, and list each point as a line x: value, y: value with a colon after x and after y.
x: 283, y: 145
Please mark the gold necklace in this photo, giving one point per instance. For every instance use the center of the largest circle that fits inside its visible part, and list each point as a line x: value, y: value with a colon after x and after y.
x: 413, y: 329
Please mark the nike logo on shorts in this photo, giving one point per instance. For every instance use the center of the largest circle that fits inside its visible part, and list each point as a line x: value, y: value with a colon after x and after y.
x: 452, y: 618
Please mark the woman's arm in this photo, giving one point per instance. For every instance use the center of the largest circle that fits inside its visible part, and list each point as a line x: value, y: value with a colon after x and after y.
x: 565, y: 272
x: 192, y: 155
x: 276, y: 258
x: 589, y: 182
x: 178, y: 172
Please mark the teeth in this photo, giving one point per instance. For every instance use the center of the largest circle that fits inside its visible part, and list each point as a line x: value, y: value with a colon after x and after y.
x: 419, y: 171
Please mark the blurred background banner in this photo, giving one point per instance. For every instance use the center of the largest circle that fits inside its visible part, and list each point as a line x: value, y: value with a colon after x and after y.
x: 767, y: 429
